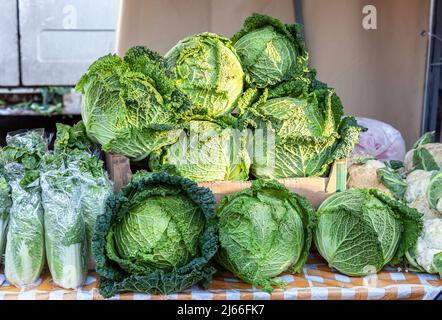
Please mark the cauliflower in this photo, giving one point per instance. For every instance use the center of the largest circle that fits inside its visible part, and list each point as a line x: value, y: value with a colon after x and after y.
x: 365, y: 175
x: 421, y: 205
x: 417, y: 183
x: 427, y: 255
x: 417, y: 195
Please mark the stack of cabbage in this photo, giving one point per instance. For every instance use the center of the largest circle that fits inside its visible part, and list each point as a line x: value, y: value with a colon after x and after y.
x: 52, y: 201
x: 179, y: 110
x: 418, y: 183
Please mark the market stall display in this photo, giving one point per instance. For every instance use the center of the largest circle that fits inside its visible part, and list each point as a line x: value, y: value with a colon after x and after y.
x: 247, y: 113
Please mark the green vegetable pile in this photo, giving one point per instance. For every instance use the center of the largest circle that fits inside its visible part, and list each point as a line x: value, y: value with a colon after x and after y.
x: 212, y: 109
x: 206, y: 88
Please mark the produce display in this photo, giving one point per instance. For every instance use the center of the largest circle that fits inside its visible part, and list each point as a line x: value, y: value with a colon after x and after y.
x: 416, y: 182
x: 158, y: 235
x: 214, y: 109
x: 264, y: 231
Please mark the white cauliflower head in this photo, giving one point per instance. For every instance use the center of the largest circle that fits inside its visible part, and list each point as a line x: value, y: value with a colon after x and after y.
x: 365, y: 175
x: 428, y: 251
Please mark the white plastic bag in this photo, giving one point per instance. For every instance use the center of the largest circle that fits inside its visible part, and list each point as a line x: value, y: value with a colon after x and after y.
x: 381, y: 140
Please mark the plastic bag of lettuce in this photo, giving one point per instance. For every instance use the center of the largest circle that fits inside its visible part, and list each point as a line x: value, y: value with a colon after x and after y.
x: 21, y: 160
x: 75, y: 188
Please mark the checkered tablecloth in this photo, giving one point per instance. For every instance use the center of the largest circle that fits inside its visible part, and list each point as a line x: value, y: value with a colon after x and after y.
x: 317, y: 281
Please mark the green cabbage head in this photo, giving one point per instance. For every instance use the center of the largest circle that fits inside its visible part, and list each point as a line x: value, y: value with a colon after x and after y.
x: 264, y: 231
x: 270, y: 51
x: 157, y: 236
x: 359, y: 231
x: 129, y: 103
x: 208, y: 70
x: 207, y: 151
x: 297, y: 131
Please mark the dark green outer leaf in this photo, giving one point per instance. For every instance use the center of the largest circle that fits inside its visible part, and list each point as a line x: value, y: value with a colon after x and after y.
x: 394, y: 181
x: 426, y: 138
x: 423, y: 160
x: 114, y: 279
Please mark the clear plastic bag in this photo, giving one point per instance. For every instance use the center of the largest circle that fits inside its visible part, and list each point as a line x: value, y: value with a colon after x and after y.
x: 25, y: 252
x: 381, y: 140
x: 65, y: 232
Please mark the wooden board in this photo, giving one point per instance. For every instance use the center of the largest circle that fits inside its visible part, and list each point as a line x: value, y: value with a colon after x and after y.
x: 315, y: 189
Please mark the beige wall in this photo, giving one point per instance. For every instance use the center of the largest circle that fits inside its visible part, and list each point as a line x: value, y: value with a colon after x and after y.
x: 159, y: 24
x: 378, y: 73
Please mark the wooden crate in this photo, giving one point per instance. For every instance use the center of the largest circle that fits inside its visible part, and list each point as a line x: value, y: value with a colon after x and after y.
x: 315, y: 189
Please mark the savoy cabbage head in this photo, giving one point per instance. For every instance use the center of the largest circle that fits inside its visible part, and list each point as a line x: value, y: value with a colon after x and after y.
x: 208, y: 71
x: 129, y: 104
x: 270, y: 51
x: 264, y: 231
x: 299, y: 130
x: 206, y: 151
x: 359, y: 231
x: 157, y: 236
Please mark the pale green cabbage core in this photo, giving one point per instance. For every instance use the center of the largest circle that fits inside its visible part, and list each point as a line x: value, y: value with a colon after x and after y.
x: 159, y: 233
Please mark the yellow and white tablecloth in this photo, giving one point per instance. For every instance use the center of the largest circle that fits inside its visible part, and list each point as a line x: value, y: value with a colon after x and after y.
x: 317, y: 281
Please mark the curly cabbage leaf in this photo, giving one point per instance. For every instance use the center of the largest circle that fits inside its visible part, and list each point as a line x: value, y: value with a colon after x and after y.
x: 264, y: 231
x: 297, y: 133
x: 270, y: 51
x: 359, y: 231
x: 208, y: 71
x: 157, y: 236
x: 129, y: 105
x: 207, y: 151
